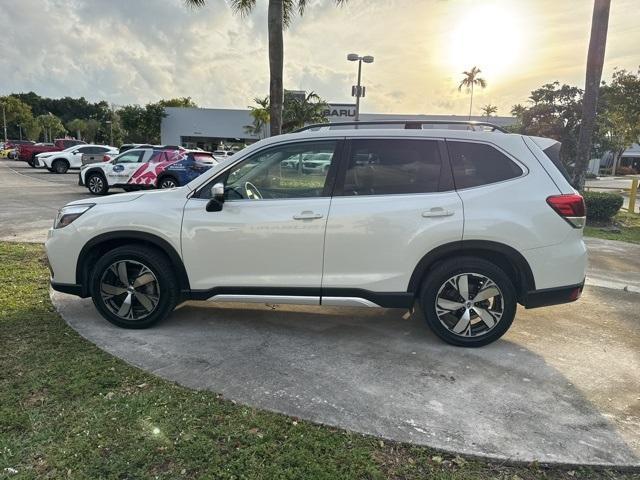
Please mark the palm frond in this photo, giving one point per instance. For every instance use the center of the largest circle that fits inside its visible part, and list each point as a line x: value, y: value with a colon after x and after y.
x: 241, y: 7
x: 482, y: 82
x: 195, y: 3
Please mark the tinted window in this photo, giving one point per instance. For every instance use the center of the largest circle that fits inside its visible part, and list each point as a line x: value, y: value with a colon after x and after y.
x: 477, y: 164
x: 383, y: 167
x: 84, y: 150
x: 553, y: 152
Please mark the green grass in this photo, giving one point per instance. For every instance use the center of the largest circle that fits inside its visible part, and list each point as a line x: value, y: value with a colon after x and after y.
x: 69, y: 410
x: 628, y: 224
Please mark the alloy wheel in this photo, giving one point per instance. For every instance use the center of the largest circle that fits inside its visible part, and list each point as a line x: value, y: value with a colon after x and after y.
x: 130, y: 290
x: 96, y: 184
x: 168, y: 183
x: 469, y: 304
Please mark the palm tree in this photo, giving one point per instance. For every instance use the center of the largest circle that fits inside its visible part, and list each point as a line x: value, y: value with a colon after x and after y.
x: 489, y: 110
x: 299, y: 112
x: 595, y: 62
x: 470, y: 80
x: 260, y: 115
x: 279, y: 15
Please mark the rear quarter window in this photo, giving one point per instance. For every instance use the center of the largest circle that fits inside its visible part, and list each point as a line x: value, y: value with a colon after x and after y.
x: 476, y: 164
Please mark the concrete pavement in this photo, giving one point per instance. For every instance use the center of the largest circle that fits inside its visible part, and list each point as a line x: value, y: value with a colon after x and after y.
x: 562, y: 386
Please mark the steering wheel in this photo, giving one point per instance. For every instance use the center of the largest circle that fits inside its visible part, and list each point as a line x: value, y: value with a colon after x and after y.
x: 252, y: 191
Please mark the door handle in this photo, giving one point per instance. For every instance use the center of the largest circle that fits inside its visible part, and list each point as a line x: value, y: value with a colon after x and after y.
x: 307, y: 215
x: 437, y: 212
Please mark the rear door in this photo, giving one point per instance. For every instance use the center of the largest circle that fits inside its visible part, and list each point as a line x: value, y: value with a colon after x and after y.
x: 394, y: 202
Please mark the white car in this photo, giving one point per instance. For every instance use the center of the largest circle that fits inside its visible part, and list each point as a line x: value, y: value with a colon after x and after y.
x: 72, y: 157
x: 466, y: 223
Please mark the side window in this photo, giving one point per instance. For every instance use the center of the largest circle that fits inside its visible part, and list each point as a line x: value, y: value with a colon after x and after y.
x: 84, y: 150
x: 392, y: 166
x: 476, y: 164
x: 290, y: 171
x: 129, y: 157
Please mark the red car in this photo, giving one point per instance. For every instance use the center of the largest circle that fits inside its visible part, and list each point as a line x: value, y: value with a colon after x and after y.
x: 27, y: 153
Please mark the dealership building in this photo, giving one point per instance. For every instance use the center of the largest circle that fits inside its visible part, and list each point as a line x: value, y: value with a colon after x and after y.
x: 218, y: 128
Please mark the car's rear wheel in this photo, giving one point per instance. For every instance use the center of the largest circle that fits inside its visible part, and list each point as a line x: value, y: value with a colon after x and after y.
x: 134, y: 287
x: 60, y: 166
x: 468, y: 301
x: 168, y: 182
x: 97, y: 184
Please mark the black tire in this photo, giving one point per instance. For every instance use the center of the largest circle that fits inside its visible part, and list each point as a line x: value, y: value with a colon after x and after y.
x: 96, y: 183
x: 166, y: 288
x: 60, y: 166
x: 168, y: 181
x: 477, y: 333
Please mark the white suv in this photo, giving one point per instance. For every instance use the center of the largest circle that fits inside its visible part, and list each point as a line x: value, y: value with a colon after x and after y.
x: 72, y: 157
x: 468, y: 223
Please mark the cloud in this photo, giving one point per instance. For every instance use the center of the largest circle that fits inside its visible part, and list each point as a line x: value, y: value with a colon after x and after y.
x: 137, y: 51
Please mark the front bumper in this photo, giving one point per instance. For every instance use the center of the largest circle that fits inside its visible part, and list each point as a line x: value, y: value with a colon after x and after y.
x: 80, y: 182
x: 553, y: 296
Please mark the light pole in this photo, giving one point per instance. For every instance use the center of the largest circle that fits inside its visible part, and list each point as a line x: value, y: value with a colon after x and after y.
x: 358, y: 90
x: 110, y: 123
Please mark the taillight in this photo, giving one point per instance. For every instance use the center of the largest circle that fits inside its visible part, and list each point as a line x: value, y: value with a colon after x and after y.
x: 106, y: 158
x: 570, y: 207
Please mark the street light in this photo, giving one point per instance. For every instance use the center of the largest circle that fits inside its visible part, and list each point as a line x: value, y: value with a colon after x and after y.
x: 358, y: 90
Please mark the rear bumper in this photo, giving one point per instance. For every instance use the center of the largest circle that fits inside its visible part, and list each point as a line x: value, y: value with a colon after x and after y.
x: 553, y: 296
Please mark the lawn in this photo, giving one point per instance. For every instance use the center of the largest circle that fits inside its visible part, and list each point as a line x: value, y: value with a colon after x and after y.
x: 628, y: 224
x: 69, y: 410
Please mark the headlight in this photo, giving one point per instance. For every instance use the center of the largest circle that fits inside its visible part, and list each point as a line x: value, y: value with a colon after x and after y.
x: 69, y: 214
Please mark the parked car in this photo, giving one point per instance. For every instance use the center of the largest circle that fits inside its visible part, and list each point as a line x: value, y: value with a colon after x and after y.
x: 129, y: 146
x: 466, y: 223
x: 27, y: 153
x: 223, y: 153
x: 9, y: 148
x: 157, y: 167
x: 73, y: 157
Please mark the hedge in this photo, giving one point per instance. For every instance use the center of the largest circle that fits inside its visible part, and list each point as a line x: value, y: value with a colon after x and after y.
x: 602, y: 206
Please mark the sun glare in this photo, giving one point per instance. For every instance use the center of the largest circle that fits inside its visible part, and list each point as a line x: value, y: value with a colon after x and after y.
x: 489, y: 37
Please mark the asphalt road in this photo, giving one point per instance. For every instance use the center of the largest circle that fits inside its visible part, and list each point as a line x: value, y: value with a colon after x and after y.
x: 30, y: 198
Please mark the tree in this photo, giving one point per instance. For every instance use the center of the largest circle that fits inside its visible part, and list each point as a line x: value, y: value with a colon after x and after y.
x: 470, y: 80
x: 77, y: 126
x: 299, y: 112
x: 91, y: 127
x: 618, y: 122
x: 32, y: 129
x: 488, y: 110
x: 260, y: 115
x: 279, y: 15
x: 16, y: 113
x: 595, y: 62
x: 184, y: 102
x: 52, y: 127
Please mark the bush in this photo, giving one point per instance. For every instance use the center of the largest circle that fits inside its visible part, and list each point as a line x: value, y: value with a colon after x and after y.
x: 602, y: 206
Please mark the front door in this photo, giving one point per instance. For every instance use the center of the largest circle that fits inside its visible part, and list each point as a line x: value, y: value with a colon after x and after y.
x: 124, y: 166
x: 269, y: 236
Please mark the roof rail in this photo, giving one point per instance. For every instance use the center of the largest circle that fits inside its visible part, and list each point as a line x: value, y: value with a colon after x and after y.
x: 408, y: 124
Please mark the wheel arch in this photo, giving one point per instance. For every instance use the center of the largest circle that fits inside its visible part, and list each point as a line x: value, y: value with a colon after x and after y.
x: 108, y: 241
x: 506, y: 257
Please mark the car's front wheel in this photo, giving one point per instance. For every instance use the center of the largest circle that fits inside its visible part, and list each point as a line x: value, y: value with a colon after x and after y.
x: 134, y: 287
x: 97, y: 184
x: 468, y: 301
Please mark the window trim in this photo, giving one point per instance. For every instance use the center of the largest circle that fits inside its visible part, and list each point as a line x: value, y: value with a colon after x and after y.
x: 330, y: 179
x: 445, y: 182
x: 523, y: 167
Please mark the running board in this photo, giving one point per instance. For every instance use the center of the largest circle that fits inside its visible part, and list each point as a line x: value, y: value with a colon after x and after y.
x: 296, y: 300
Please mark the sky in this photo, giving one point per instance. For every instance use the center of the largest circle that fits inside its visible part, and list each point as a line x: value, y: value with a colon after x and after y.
x: 139, y: 51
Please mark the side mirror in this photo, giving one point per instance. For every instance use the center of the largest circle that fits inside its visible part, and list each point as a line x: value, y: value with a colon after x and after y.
x: 75, y: 152
x: 217, y: 198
